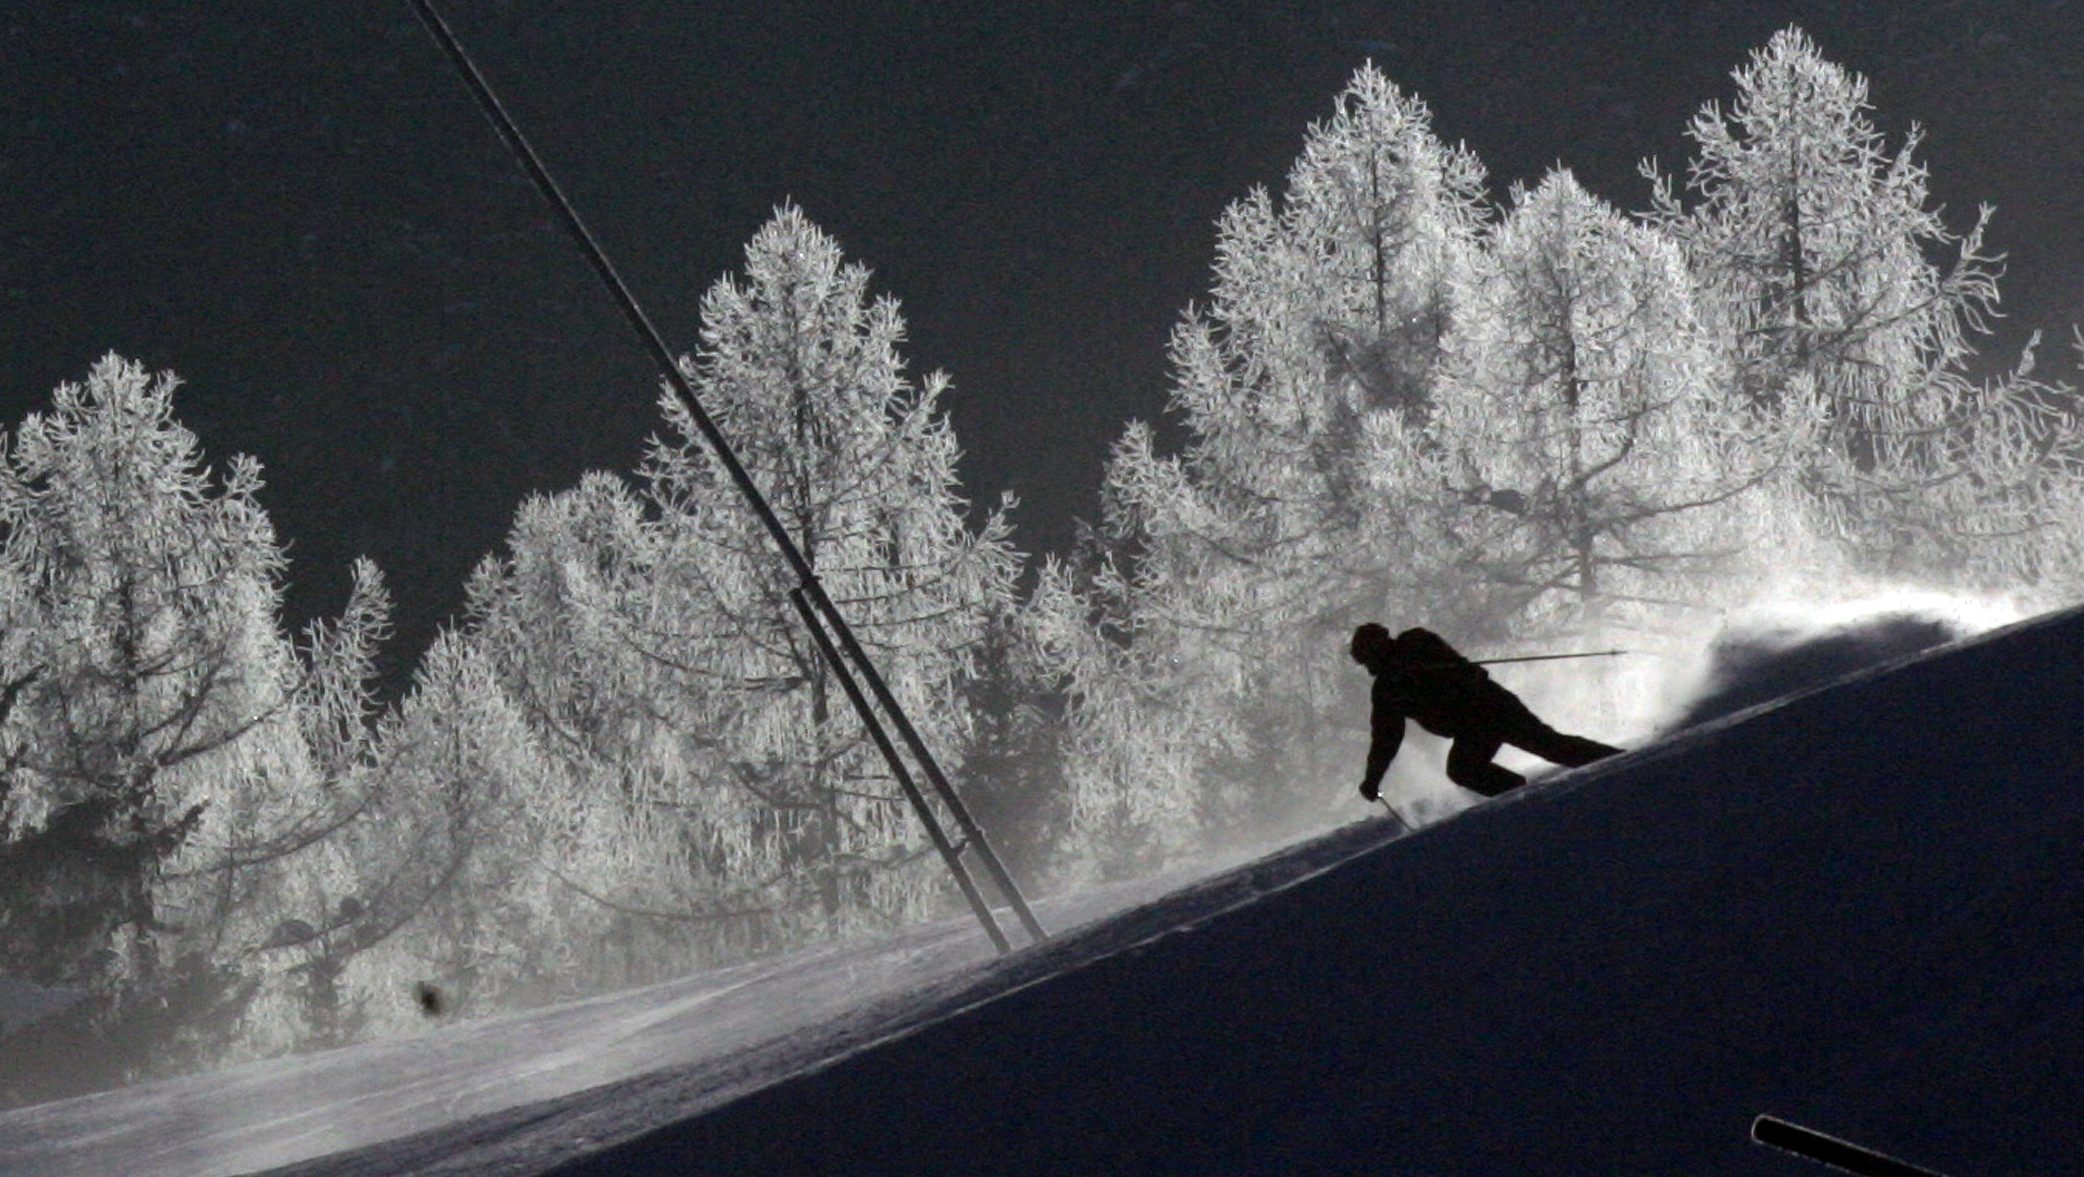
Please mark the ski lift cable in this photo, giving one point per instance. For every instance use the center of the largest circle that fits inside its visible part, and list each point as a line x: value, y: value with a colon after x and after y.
x: 662, y: 356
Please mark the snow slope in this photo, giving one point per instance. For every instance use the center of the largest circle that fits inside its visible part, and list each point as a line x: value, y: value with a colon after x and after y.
x: 740, y: 1025
x: 1860, y: 909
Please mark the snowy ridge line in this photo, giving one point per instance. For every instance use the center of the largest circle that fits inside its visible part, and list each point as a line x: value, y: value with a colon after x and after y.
x: 2012, y: 631
x: 282, y: 1111
x: 819, y: 1048
x: 1687, y: 741
x: 1188, y: 910
x: 476, y: 1144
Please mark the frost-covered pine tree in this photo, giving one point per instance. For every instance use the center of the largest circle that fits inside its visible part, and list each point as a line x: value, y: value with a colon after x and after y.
x: 1013, y: 761
x: 1306, y: 380
x: 318, y: 897
x: 801, y: 368
x: 1817, y: 244
x: 524, y: 845
x: 158, y: 791
x: 1138, y: 728
x: 1310, y: 494
x: 459, y: 895
x: 578, y: 621
x: 628, y: 758
x: 1583, y: 413
x: 1848, y: 309
x: 1351, y: 283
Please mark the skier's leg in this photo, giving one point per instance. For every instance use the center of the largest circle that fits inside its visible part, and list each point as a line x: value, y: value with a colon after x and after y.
x: 1469, y: 765
x: 1529, y: 734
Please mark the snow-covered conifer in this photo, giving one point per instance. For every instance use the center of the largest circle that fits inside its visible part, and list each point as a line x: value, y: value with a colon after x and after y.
x: 1310, y: 494
x: 1013, y: 760
x: 801, y: 367
x: 628, y: 757
x: 1583, y: 417
x: 458, y: 892
x: 158, y: 781
x: 1848, y: 307
x: 653, y: 846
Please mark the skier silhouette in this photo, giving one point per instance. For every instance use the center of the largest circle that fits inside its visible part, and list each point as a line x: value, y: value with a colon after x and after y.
x: 1419, y: 677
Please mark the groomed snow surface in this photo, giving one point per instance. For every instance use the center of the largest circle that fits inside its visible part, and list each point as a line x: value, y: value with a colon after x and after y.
x: 1859, y: 909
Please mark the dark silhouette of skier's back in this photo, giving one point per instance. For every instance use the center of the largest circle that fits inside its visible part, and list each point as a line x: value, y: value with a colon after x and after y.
x: 1419, y: 677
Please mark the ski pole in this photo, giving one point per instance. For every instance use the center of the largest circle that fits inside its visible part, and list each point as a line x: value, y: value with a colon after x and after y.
x: 1551, y: 657
x: 1395, y: 816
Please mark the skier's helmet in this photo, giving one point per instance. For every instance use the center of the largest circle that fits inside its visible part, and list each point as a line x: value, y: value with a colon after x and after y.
x: 1371, y: 644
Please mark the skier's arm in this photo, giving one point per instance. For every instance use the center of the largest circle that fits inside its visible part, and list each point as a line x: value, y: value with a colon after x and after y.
x: 1386, y: 735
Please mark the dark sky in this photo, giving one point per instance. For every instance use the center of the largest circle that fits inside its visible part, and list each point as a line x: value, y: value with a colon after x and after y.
x: 298, y: 209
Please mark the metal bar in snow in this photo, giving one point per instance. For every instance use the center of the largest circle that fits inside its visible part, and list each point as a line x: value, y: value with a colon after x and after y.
x: 662, y: 356
x: 972, y: 833
x: 950, y: 853
x: 1812, y: 1145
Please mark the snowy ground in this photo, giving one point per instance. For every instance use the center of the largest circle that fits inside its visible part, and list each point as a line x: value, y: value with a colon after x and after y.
x: 734, y: 1028
x: 1859, y: 910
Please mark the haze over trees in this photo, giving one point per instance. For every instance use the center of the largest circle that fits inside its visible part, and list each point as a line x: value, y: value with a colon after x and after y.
x: 1522, y: 422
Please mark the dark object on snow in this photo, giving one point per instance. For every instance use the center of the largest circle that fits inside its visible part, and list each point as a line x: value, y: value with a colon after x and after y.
x: 1749, y: 667
x: 428, y: 994
x: 1419, y: 677
x: 1829, y: 1150
x: 289, y: 933
x: 1511, y: 502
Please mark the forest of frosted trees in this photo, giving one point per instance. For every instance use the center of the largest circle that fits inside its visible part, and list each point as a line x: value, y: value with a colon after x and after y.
x: 1526, y: 421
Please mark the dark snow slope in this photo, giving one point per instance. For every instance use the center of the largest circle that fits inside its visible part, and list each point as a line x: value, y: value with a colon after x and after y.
x: 1862, y: 910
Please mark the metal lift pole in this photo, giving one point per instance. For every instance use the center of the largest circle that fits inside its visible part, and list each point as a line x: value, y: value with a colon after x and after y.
x: 949, y: 851
x: 806, y: 576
